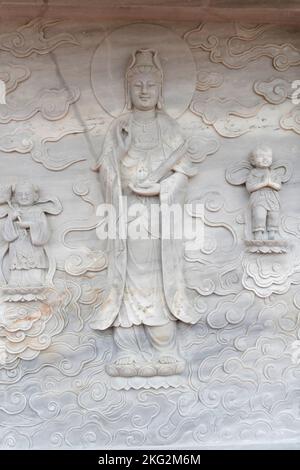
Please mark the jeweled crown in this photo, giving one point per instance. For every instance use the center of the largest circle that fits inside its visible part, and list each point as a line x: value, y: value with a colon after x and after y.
x: 144, y: 60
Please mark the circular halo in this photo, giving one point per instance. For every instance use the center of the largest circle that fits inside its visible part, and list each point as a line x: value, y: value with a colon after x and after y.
x: 112, y: 56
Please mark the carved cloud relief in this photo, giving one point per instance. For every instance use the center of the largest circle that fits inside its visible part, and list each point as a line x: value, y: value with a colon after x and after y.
x: 242, y: 383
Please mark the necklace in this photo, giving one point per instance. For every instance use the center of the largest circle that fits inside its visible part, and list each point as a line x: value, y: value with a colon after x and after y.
x: 144, y: 124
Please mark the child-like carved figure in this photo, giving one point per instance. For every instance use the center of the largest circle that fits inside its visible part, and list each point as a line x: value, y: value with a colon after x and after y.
x: 26, y: 231
x: 263, y: 180
x: 263, y: 184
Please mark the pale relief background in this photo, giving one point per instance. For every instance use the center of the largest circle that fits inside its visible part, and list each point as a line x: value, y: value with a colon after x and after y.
x: 242, y: 384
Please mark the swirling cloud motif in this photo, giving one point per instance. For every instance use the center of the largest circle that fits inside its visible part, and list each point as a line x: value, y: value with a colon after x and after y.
x: 52, y: 104
x: 17, y: 141
x: 31, y: 38
x: 231, y: 312
x: 26, y: 141
x: 232, y: 53
x: 88, y: 434
x: 241, y: 384
x: 80, y: 263
x: 56, y: 161
x: 14, y: 440
x: 291, y: 225
x: 66, y: 359
x: 207, y: 80
x: 228, y: 116
x: 207, y: 281
x: 84, y: 260
x: 216, y: 392
x: 201, y: 147
x: 291, y: 120
x: 12, y: 75
x: 55, y: 402
x: 265, y: 276
x: 25, y: 330
x: 220, y: 239
x: 14, y: 402
x: 274, y: 90
x: 69, y: 393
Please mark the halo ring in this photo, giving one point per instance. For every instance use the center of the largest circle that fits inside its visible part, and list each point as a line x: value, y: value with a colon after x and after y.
x: 112, y: 56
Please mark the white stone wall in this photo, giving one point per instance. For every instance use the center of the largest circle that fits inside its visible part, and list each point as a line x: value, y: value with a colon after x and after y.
x: 242, y: 383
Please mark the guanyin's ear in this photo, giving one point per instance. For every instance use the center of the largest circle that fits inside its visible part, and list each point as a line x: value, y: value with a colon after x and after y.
x: 160, y: 99
x: 128, y: 104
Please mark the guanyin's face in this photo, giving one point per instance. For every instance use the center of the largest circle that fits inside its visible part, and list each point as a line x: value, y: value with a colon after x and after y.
x: 144, y: 91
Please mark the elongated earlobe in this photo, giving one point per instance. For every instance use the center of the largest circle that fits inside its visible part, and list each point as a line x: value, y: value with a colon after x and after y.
x: 128, y: 104
x: 160, y: 100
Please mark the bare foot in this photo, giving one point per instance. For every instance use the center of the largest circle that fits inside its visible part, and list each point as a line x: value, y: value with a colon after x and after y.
x: 125, y: 361
x: 259, y: 235
x: 272, y: 234
x: 168, y: 359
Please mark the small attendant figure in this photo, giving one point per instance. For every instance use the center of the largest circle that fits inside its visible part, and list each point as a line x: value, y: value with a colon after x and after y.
x: 26, y: 231
x: 263, y: 184
x: 263, y: 180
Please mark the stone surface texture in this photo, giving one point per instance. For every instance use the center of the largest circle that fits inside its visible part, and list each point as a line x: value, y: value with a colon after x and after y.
x: 229, y: 87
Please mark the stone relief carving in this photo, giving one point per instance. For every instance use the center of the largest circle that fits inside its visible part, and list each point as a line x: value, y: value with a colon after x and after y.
x: 227, y: 51
x: 215, y: 268
x: 264, y: 232
x: 26, y: 233
x: 28, y: 298
x: 290, y: 120
x: 110, y: 94
x: 54, y: 388
x: 30, y: 38
x: 52, y: 104
x: 263, y: 180
x: 231, y: 312
x: 266, y: 276
x: 274, y: 90
x: 207, y: 80
x: 12, y: 75
x: 229, y: 117
x: 26, y: 141
x: 83, y: 260
x: 140, y: 150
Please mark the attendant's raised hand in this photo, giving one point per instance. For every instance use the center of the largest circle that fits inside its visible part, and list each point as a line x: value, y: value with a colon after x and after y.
x: 24, y: 224
x: 15, y: 214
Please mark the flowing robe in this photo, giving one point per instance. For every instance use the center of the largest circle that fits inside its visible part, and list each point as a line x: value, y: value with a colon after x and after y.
x: 162, y: 259
x: 26, y: 255
x: 266, y: 196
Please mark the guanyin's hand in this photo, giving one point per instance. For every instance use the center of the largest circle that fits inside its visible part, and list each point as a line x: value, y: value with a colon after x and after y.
x: 146, y: 188
x: 124, y: 137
